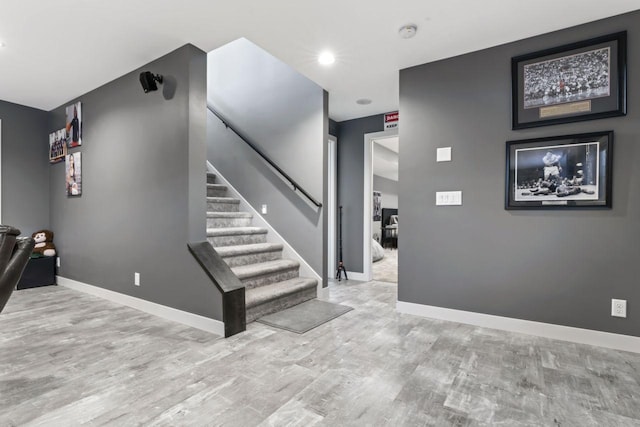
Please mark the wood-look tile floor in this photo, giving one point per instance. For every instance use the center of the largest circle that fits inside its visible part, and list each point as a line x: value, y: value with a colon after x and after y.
x: 68, y: 359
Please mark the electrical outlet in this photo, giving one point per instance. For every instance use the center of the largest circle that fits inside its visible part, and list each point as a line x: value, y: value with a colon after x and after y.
x: 136, y: 279
x: 58, y: 261
x: 619, y: 307
x: 264, y: 209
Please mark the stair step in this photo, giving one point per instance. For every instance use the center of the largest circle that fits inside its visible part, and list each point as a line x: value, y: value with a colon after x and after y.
x: 239, y: 255
x: 266, y: 273
x: 211, y: 178
x: 228, y: 219
x: 278, y: 296
x: 230, y: 236
x: 216, y: 190
x: 222, y: 204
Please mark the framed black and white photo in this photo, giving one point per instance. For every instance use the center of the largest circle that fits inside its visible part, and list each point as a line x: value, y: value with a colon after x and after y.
x: 377, y: 206
x: 572, y: 171
x: 575, y: 82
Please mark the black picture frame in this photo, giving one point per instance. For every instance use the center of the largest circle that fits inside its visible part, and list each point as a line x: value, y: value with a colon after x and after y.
x: 586, y: 80
x: 558, y: 172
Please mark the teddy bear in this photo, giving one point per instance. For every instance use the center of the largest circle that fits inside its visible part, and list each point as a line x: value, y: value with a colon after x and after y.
x: 44, y: 243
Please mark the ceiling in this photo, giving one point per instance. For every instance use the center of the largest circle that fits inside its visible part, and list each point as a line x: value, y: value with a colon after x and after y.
x: 58, y: 50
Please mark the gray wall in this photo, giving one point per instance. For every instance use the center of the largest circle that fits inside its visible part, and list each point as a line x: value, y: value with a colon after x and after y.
x: 389, y: 190
x: 560, y: 267
x: 351, y: 184
x: 285, y: 114
x: 25, y: 167
x: 143, y: 188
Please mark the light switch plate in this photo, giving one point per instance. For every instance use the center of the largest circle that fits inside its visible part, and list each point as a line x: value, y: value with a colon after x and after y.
x: 443, y: 154
x: 448, y: 198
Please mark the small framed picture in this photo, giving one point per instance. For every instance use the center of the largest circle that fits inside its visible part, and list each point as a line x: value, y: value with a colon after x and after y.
x: 377, y: 206
x: 57, y: 146
x: 74, y: 125
x: 73, y: 174
x: 572, y: 171
x: 580, y: 81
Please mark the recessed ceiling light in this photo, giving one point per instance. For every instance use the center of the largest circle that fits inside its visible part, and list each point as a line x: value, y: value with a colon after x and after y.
x: 363, y: 101
x: 326, y: 58
x: 408, y: 31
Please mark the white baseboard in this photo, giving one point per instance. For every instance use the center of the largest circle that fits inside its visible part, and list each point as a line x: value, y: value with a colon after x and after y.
x: 190, y: 319
x: 547, y: 330
x: 357, y: 276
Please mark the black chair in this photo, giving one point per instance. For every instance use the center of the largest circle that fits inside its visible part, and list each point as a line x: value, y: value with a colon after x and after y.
x: 14, y: 255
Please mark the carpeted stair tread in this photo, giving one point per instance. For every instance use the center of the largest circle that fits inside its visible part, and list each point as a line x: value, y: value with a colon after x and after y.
x: 264, y: 268
x: 223, y: 200
x: 218, y: 186
x: 211, y: 178
x: 256, y: 296
x: 229, y: 251
x: 229, y: 215
x: 235, y: 231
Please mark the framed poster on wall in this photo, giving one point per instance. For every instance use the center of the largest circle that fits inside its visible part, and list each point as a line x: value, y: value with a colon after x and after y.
x: 572, y: 171
x: 74, y: 125
x: 580, y: 81
x: 73, y: 174
x: 57, y: 146
x: 377, y: 206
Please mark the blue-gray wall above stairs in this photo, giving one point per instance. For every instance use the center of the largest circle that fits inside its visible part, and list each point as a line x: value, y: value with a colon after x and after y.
x: 285, y: 114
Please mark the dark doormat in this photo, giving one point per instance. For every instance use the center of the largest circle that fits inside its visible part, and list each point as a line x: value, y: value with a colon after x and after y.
x: 306, y: 316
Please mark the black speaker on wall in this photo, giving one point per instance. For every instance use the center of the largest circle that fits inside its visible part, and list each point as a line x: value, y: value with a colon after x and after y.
x: 148, y: 81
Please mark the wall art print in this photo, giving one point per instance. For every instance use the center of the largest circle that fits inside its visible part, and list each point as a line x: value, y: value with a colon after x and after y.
x: 572, y: 171
x: 74, y: 125
x: 580, y: 81
x: 57, y: 146
x: 73, y: 174
x: 377, y: 206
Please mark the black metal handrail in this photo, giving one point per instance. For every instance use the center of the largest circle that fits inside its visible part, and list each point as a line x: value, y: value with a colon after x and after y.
x: 295, y: 185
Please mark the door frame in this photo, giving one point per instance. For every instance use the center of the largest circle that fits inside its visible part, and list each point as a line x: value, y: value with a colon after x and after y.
x: 367, y: 221
x: 332, y: 201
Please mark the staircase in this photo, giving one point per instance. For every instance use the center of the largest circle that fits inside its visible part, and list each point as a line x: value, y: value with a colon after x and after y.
x: 272, y: 283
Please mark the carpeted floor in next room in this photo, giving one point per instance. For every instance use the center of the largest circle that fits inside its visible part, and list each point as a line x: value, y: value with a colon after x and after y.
x: 386, y: 270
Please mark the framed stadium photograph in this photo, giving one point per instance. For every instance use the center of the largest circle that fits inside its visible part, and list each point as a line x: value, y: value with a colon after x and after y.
x: 572, y: 171
x: 570, y: 83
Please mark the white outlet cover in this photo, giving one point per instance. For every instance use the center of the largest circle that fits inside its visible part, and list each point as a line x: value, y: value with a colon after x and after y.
x: 619, y: 308
x: 136, y: 279
x: 57, y: 261
x: 264, y: 209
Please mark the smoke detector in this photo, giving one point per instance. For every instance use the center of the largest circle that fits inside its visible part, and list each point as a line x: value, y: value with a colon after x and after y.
x: 408, y: 31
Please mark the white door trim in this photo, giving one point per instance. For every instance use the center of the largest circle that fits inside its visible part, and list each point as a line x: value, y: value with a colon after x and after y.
x: 332, y: 178
x: 367, y: 222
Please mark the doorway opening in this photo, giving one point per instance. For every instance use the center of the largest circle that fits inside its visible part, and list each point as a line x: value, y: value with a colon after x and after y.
x: 380, y: 231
